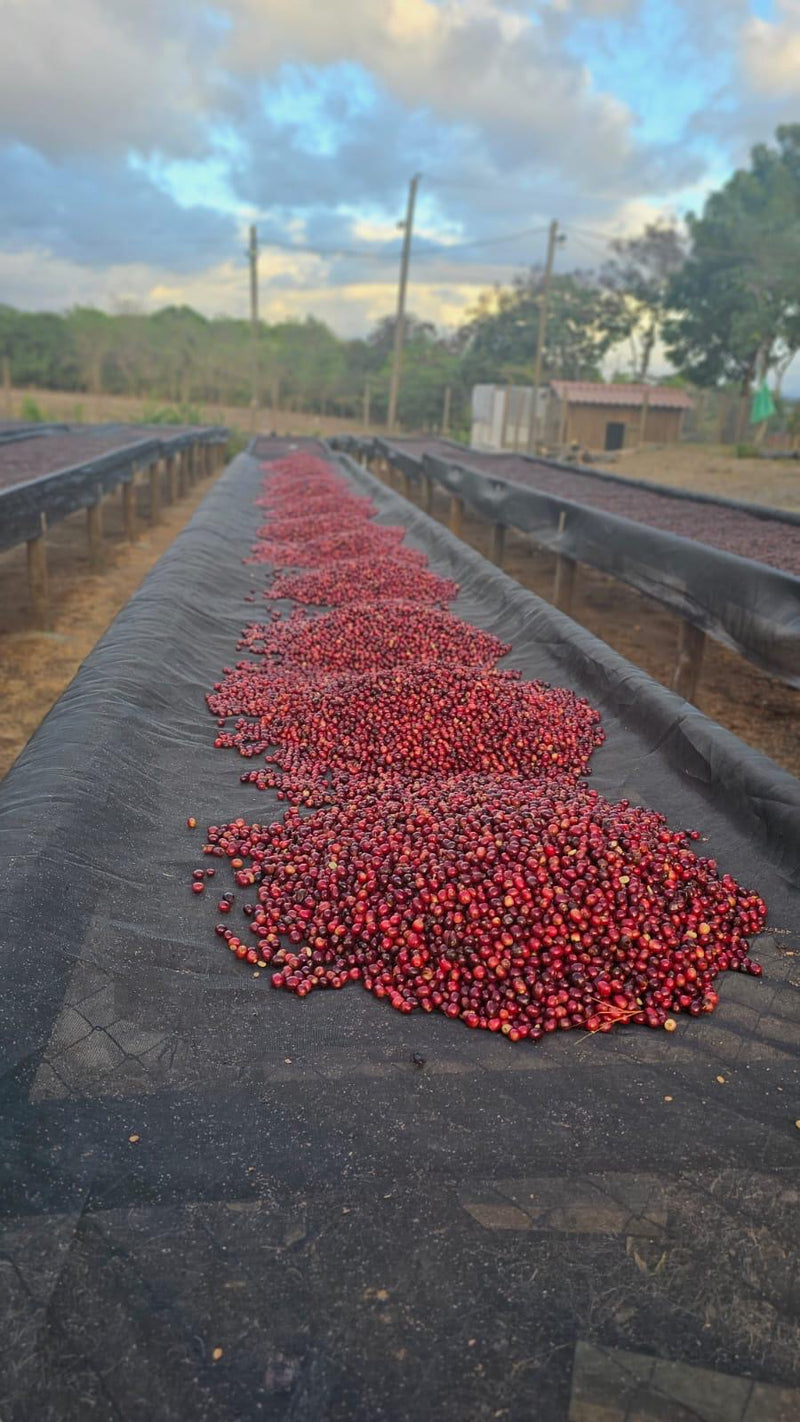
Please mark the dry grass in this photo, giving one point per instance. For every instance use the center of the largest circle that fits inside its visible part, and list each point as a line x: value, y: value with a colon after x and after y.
x: 75, y: 406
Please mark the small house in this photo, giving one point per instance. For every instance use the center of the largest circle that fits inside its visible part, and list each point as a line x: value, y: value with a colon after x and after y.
x: 611, y: 417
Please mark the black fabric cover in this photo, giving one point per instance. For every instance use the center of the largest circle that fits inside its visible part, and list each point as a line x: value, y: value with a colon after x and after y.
x: 296, y: 1232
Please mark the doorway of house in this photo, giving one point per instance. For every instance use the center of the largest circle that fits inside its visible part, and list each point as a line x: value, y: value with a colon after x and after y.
x: 615, y: 434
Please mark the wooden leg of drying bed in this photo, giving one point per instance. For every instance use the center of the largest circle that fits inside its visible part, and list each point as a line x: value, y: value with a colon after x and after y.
x: 564, y: 583
x: 154, y: 479
x: 691, y: 646
x: 37, y: 578
x: 456, y: 514
x: 94, y: 533
x: 497, y: 544
x: 427, y: 493
x: 129, y: 510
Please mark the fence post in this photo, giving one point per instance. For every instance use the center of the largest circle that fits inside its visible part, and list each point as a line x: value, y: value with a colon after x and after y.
x: 691, y: 646
x: 37, y: 577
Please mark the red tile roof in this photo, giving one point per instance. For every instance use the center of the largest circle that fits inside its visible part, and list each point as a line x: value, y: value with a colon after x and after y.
x: 587, y: 392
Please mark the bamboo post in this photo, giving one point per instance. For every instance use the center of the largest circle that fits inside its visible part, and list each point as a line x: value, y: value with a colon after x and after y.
x: 129, y: 509
x: 497, y: 544
x: 405, y: 484
x: 94, y: 531
x: 154, y: 479
x: 691, y: 646
x: 427, y: 493
x: 37, y: 577
x: 456, y: 514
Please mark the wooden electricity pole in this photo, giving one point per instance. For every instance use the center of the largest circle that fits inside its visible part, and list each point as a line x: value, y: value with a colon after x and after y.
x: 533, y: 434
x: 252, y: 253
x: 400, y: 323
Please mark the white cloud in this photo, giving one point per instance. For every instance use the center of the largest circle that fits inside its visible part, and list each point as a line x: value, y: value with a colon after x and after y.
x: 104, y: 75
x: 770, y: 51
x: 505, y: 76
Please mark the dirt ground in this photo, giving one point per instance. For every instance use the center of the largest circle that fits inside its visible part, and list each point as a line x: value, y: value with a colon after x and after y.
x: 714, y: 469
x: 757, y: 707
x: 35, y: 667
x: 74, y: 406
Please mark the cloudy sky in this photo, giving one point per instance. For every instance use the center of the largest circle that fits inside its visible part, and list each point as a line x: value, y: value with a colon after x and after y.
x: 138, y: 138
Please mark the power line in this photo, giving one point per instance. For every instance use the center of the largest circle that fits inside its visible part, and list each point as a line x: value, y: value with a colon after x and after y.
x: 391, y: 253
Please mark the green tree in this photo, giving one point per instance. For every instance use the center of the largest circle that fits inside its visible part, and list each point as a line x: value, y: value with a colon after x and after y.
x: 737, y: 297
x: 585, y: 320
x: 640, y: 272
x: 92, y: 333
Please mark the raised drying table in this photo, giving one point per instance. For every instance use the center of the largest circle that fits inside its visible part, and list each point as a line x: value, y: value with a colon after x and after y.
x: 48, y: 474
x: 222, y: 1202
x: 751, y: 606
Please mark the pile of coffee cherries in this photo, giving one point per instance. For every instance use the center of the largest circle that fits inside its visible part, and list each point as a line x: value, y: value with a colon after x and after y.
x: 317, y: 733
x: 364, y: 637
x: 454, y: 859
x: 519, y: 905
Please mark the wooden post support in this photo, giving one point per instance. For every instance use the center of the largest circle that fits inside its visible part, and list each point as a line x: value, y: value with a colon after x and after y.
x: 172, y: 478
x: 456, y: 514
x: 427, y: 493
x: 564, y: 583
x: 129, y: 509
x: 691, y: 646
x: 405, y: 485
x: 563, y: 429
x: 94, y: 530
x: 37, y: 577
x: 643, y: 417
x: 497, y: 544
x: 154, y: 479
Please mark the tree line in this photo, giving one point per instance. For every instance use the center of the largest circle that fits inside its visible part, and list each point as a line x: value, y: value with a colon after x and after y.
x: 721, y: 297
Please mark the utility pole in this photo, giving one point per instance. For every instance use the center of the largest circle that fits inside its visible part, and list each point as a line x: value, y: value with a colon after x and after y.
x: 252, y: 253
x: 400, y: 323
x: 537, y: 369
